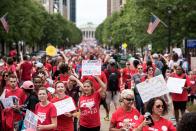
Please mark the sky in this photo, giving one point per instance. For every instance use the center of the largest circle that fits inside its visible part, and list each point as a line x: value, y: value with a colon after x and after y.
x: 94, y: 11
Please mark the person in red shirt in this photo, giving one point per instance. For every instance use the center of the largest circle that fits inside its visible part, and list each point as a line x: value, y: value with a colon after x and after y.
x: 18, y: 96
x: 26, y: 69
x: 125, y: 117
x: 192, y: 97
x: 46, y: 111
x: 127, y: 74
x: 89, y: 104
x: 65, y: 121
x: 180, y: 100
x: 156, y: 107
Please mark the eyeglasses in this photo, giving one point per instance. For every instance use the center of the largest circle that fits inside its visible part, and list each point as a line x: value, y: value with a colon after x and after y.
x: 159, y: 106
x: 150, y: 69
x: 129, y: 99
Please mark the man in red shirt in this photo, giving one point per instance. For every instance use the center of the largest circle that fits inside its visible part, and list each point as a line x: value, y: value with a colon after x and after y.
x: 26, y: 69
x: 127, y: 74
x: 18, y: 96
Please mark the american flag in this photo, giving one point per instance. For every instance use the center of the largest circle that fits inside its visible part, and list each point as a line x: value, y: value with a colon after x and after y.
x: 5, y: 23
x: 154, y: 21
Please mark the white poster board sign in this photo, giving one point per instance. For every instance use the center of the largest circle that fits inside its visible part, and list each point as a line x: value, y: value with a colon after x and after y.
x: 63, y: 106
x: 91, y: 67
x: 7, y: 102
x: 193, y: 63
x: 151, y: 88
x: 175, y: 85
x: 30, y: 121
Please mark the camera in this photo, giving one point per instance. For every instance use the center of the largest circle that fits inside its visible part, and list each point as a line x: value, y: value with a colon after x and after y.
x: 148, y: 117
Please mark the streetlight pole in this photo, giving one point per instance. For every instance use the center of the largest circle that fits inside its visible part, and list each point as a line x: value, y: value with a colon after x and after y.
x: 169, y: 28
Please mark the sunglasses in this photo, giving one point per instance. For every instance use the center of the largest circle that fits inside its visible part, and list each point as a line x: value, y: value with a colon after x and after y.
x: 129, y: 99
x: 6, y: 75
x: 159, y: 106
x: 139, y: 68
x: 128, y: 64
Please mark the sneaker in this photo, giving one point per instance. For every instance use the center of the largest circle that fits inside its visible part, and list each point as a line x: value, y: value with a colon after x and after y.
x: 106, y: 118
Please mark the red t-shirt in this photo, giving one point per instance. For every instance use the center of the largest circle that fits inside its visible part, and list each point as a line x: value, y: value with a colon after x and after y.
x: 19, y: 94
x: 64, y: 123
x: 94, y: 81
x: 26, y: 71
x: 48, y: 67
x: 89, y: 107
x: 12, y: 53
x: 184, y: 95
x: 63, y: 78
x: 122, y: 118
x: 161, y: 125
x: 45, y: 113
x: 127, y: 75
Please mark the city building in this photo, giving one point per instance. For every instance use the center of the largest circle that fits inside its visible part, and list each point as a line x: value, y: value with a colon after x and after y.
x: 88, y: 31
x: 66, y: 8
x: 114, y: 6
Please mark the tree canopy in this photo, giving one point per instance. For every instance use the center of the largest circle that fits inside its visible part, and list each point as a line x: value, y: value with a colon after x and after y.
x: 29, y: 22
x: 130, y: 24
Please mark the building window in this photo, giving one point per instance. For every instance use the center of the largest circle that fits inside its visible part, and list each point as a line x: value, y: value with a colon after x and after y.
x: 65, y: 2
x: 43, y: 1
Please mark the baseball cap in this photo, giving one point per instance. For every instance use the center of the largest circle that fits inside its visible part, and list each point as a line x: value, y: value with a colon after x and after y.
x: 155, y: 55
x: 28, y: 85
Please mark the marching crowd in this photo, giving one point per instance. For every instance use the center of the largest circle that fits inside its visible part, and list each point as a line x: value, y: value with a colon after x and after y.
x: 35, y: 83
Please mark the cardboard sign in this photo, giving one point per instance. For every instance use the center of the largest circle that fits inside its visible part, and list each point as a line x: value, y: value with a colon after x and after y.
x: 175, y: 85
x: 30, y: 121
x: 151, y: 88
x: 7, y: 102
x: 91, y: 67
x: 63, y: 106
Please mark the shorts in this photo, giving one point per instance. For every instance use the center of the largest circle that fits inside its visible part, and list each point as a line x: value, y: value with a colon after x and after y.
x: 115, y: 98
x: 179, y: 105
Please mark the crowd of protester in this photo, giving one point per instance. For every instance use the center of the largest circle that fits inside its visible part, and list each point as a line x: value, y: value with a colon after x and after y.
x: 36, y: 83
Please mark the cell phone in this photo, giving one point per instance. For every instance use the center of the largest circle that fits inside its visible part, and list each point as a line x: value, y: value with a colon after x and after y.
x: 148, y: 117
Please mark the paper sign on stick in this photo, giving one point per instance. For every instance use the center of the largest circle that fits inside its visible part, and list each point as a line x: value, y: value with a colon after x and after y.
x: 151, y: 88
x: 63, y: 106
x: 175, y: 85
x: 7, y: 102
x: 30, y: 121
x: 91, y: 67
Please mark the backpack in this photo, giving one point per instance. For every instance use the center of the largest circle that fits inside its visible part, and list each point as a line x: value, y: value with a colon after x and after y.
x: 113, y: 81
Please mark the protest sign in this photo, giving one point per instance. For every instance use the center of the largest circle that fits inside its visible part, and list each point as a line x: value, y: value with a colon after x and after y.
x: 7, y: 102
x: 63, y: 106
x: 175, y: 85
x: 151, y: 88
x: 30, y: 121
x: 91, y: 67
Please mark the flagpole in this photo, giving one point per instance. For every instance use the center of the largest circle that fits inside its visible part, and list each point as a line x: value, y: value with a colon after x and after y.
x: 160, y: 20
x: 4, y: 14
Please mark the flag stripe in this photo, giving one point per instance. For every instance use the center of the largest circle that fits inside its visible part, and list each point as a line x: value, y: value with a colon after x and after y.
x: 153, y: 24
x: 4, y: 23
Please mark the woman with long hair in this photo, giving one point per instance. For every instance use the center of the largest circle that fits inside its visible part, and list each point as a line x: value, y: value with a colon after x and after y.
x: 89, y: 104
x: 153, y: 120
